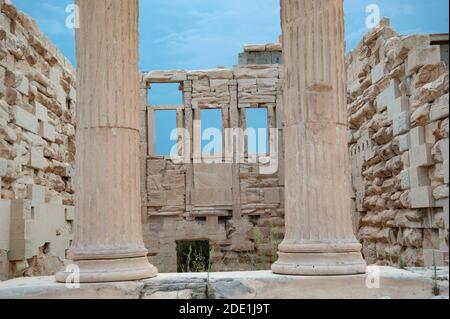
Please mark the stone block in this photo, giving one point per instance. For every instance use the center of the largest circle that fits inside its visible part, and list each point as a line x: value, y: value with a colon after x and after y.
x: 26, y: 120
x: 405, y: 182
x: 24, y: 86
x: 440, y: 110
x: 5, y: 221
x: 397, y: 106
x: 36, y: 193
x: 70, y: 213
x: 3, y: 167
x: 34, y: 225
x: 420, y: 156
x: 405, y: 142
x: 390, y: 94
x: 430, y: 239
x: 443, y: 247
x: 422, y: 197
x: 41, y: 112
x: 433, y: 257
x: 212, y: 197
x: 417, y: 136
x: 419, y: 177
x: 37, y: 159
x: 446, y: 172
x: 421, y: 56
x: 165, y: 76
x: 47, y: 131
x: 271, y: 195
x: 444, y: 145
x: 401, y: 123
x: 378, y: 72
x: 156, y: 199
x: 208, y: 176
x: 445, y: 205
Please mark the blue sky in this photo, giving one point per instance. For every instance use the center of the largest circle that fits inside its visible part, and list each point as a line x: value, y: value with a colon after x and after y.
x: 198, y: 34
x: 193, y: 34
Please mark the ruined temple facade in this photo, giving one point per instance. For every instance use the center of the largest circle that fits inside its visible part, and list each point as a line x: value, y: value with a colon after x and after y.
x: 397, y: 97
x: 236, y: 207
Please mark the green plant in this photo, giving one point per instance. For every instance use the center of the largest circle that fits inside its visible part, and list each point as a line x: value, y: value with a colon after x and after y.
x: 192, y: 256
x: 259, y: 237
x: 402, y: 263
x: 273, y: 243
x: 209, y: 288
x: 436, y: 290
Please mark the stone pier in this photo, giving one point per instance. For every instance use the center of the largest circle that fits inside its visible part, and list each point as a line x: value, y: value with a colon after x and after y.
x: 319, y: 237
x: 108, y: 244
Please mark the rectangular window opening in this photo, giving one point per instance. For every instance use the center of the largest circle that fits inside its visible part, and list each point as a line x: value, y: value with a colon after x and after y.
x: 165, y: 94
x: 257, y: 127
x: 211, y: 131
x: 165, y: 124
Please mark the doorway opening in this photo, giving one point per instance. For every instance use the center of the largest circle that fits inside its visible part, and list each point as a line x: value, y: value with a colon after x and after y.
x: 192, y: 255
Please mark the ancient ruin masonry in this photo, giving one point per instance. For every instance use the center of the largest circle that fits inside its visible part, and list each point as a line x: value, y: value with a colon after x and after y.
x: 37, y: 148
x: 233, y: 206
x: 398, y: 148
x: 398, y: 115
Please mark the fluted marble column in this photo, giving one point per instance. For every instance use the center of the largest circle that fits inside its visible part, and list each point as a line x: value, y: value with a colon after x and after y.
x: 319, y: 237
x: 108, y: 243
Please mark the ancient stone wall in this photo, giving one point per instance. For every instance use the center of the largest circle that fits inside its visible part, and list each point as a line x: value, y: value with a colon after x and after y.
x: 237, y: 207
x: 398, y: 141
x: 37, y: 132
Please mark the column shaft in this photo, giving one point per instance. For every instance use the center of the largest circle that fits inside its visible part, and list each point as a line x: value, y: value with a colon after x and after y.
x: 108, y: 244
x: 319, y: 237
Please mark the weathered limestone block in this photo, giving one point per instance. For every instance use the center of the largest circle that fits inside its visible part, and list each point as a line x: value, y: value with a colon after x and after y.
x: 421, y: 116
x: 432, y: 91
x: 47, y: 131
x: 37, y: 159
x: 417, y: 136
x: 441, y: 192
x: 5, y: 222
x: 440, y: 108
x: 378, y: 72
x: 433, y: 258
x: 397, y: 107
x: 33, y: 225
x: 401, y: 123
x: 413, y: 237
x: 421, y: 56
x: 391, y: 93
x: 419, y: 177
x: 41, y: 112
x: 165, y: 76
x: 422, y: 197
x: 429, y: 73
x: 404, y: 142
x: 420, y: 156
x: 26, y: 120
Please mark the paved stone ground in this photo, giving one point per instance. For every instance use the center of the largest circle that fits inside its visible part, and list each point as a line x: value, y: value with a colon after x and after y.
x: 411, y: 283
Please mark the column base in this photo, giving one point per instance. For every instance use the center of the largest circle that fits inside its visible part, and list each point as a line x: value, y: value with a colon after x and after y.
x: 108, y: 270
x: 319, y: 264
